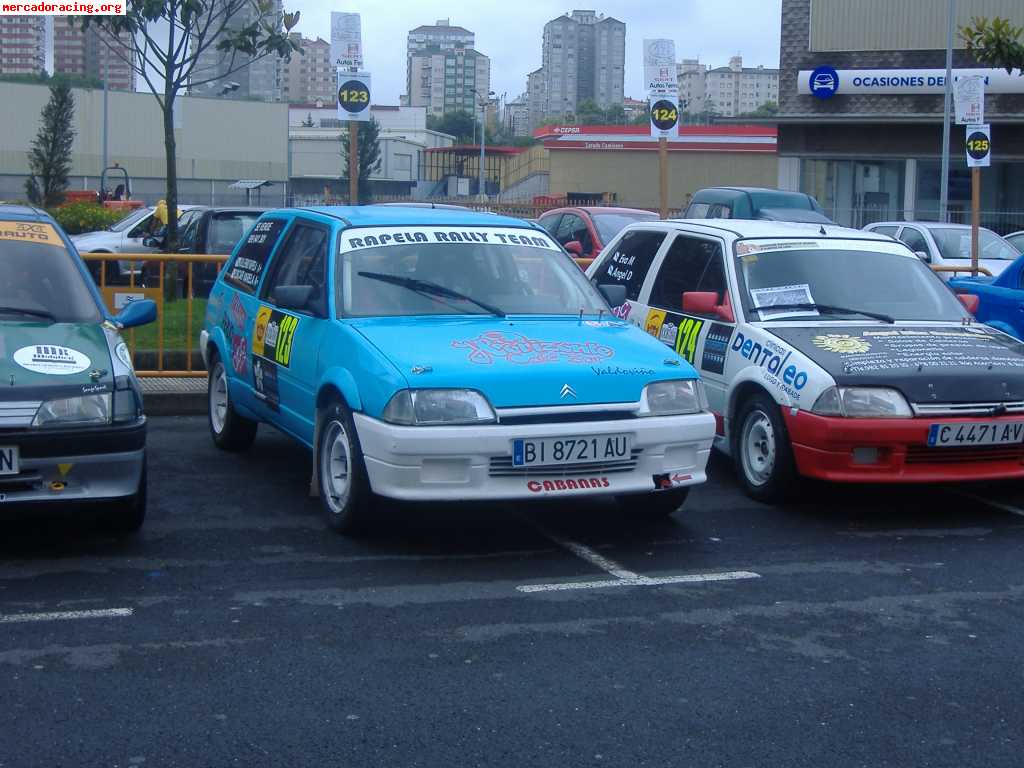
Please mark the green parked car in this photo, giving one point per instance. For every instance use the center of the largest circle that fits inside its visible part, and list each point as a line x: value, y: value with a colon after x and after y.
x: 72, y: 430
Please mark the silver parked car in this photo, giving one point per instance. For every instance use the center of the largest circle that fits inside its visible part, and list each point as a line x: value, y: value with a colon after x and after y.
x: 949, y: 245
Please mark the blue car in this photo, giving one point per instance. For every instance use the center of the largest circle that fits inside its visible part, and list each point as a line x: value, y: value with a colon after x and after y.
x: 1000, y: 299
x: 434, y: 355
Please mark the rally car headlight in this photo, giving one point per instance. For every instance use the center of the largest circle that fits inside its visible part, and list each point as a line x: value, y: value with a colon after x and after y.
x: 668, y: 398
x: 86, y: 409
x: 862, y: 403
x: 434, y: 407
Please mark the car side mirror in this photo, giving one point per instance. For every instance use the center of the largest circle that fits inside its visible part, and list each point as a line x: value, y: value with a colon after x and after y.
x: 136, y: 313
x: 923, y: 257
x: 574, y: 247
x: 615, y: 295
x: 292, y: 296
x: 152, y: 242
x: 970, y: 301
x: 706, y: 303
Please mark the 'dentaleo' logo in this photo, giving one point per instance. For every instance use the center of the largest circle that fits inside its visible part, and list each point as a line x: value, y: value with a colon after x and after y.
x: 47, y: 358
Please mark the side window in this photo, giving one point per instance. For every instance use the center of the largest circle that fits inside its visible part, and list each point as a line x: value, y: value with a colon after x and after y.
x: 697, y: 211
x: 690, y: 265
x: 143, y: 228
x: 887, y: 231
x: 720, y: 211
x: 914, y: 239
x: 630, y: 261
x: 226, y: 230
x: 550, y: 223
x: 302, y: 261
x: 574, y: 228
x: 188, y: 229
x: 245, y: 270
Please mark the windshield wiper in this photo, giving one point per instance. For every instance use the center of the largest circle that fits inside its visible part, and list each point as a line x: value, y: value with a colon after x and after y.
x: 829, y: 309
x: 31, y: 312
x: 431, y: 289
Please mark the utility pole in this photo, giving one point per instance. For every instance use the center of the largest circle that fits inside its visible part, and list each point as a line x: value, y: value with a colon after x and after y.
x: 944, y: 178
x: 353, y: 162
x: 106, y: 90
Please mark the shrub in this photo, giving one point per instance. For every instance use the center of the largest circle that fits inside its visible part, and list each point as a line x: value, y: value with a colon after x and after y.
x: 76, y: 218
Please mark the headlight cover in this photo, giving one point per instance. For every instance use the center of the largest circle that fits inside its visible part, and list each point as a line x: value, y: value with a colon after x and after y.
x: 863, y: 403
x: 438, y: 407
x: 673, y: 398
x: 86, y: 409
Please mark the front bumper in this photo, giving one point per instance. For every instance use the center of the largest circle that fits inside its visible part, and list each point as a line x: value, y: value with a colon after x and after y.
x: 473, y: 462
x: 824, y: 448
x: 73, y: 465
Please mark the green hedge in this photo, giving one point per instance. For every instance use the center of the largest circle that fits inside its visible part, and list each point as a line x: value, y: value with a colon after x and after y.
x: 76, y: 218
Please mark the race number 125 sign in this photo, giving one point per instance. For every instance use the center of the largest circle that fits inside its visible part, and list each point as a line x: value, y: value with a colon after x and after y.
x: 979, y: 146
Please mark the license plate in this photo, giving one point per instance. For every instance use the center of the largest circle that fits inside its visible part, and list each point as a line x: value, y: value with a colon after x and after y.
x: 9, y: 460
x: 551, y: 451
x: 976, y: 433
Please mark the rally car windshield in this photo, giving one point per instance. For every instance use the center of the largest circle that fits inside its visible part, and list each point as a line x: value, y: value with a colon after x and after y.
x: 40, y: 282
x: 462, y: 278
x: 841, y: 284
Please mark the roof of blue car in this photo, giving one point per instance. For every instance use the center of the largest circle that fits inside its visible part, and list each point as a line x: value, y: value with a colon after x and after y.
x: 11, y: 211
x: 396, y: 215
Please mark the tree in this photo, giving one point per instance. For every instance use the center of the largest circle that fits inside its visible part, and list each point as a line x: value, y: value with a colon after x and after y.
x: 996, y: 43
x: 367, y: 154
x: 460, y: 124
x: 50, y: 157
x: 589, y: 113
x: 171, y: 38
x: 615, y: 115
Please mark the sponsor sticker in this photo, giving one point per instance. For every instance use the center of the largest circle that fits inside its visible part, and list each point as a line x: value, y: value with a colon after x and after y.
x: 378, y: 237
x: 782, y: 295
x: 572, y: 484
x: 774, y: 361
x: 654, y: 321
x: 716, y: 347
x: 671, y: 480
x: 273, y: 335
x: 521, y: 350
x: 264, y: 378
x: 842, y: 343
x: 51, y: 359
x: 39, y: 233
x: 239, y: 358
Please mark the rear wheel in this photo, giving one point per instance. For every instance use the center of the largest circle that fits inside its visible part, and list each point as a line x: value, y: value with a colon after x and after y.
x: 344, y: 486
x: 653, y: 506
x: 126, y: 516
x: 230, y: 430
x: 762, y: 451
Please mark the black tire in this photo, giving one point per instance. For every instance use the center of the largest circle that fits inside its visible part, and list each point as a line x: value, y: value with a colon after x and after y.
x: 651, y: 507
x: 347, y: 510
x: 230, y: 430
x: 762, y: 452
x: 126, y: 516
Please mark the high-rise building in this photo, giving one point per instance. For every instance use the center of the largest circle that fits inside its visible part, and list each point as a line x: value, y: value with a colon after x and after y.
x: 535, y: 101
x: 448, y: 80
x: 309, y: 77
x: 260, y: 79
x: 22, y: 45
x: 516, y: 120
x: 443, y: 68
x: 735, y: 89
x: 583, y: 57
x: 92, y: 53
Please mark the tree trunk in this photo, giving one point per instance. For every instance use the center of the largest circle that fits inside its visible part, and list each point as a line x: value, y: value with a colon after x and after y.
x: 171, y: 196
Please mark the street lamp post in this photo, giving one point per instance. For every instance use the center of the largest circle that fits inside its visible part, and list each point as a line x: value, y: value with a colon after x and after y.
x: 944, y: 179
x: 483, y: 141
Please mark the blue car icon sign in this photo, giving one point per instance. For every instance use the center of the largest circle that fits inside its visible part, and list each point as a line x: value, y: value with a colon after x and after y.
x: 824, y: 82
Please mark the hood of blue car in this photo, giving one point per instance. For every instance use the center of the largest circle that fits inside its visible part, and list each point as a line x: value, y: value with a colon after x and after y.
x: 524, y: 362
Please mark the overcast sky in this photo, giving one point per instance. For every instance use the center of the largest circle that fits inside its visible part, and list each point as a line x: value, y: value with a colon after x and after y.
x: 510, y: 33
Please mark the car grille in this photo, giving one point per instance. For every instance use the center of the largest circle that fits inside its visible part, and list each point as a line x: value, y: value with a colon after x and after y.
x: 18, y: 414
x: 965, y: 409
x: 24, y: 481
x: 566, y: 417
x: 922, y: 454
x: 501, y: 466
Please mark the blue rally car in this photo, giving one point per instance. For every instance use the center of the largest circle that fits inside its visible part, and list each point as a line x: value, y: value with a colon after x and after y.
x: 996, y: 301
x: 445, y: 355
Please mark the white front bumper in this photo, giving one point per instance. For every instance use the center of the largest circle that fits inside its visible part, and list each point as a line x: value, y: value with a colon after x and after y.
x: 454, y: 463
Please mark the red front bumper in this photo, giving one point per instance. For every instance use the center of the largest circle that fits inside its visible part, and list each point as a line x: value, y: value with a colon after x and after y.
x: 824, y: 448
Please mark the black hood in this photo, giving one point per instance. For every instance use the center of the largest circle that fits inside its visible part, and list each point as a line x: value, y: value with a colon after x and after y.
x: 928, y: 364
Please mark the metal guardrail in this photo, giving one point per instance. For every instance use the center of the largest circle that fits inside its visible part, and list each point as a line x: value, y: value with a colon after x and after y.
x: 944, y: 268
x: 138, y: 287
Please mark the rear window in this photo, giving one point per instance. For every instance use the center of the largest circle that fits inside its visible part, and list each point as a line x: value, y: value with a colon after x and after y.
x: 246, y: 269
x: 226, y: 229
x: 39, y: 278
x: 781, y: 200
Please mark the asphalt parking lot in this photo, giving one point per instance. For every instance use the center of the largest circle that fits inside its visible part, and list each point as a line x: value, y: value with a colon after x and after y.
x: 876, y: 627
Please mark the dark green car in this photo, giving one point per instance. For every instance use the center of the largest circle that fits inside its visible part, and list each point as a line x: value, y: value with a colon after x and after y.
x: 72, y: 430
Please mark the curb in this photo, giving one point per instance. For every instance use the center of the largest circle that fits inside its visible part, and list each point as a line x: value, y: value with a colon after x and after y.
x: 174, y: 404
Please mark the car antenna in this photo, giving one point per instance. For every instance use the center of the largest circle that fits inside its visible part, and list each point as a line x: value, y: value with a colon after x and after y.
x: 823, y: 233
x: 581, y: 316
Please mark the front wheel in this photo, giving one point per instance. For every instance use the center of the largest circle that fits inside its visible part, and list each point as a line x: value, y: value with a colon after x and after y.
x: 652, y: 507
x: 762, y: 451
x: 230, y: 430
x: 341, y: 472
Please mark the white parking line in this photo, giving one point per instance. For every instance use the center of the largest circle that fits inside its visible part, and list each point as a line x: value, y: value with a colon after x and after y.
x: 105, y: 613
x: 623, y: 576
x: 994, y: 504
x: 642, y: 581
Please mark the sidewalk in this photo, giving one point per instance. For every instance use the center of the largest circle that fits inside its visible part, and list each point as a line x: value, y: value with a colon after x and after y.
x: 174, y: 396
